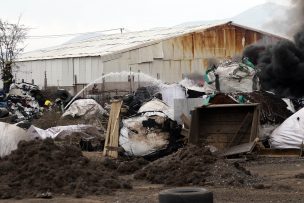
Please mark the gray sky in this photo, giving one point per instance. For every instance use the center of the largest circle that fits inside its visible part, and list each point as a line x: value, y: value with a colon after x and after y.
x: 46, y: 17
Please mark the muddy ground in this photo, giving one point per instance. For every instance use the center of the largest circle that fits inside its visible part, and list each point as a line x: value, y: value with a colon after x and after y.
x: 282, y: 181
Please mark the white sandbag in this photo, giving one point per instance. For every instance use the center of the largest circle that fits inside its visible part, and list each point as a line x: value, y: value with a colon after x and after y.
x: 10, y: 136
x: 137, y: 140
x: 290, y: 134
x: 88, y: 108
x: 157, y: 105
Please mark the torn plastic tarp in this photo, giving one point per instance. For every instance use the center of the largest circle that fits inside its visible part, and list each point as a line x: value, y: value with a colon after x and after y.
x: 156, y: 105
x: 58, y: 131
x: 138, y: 140
x: 290, y: 134
x: 88, y: 108
x: 10, y: 136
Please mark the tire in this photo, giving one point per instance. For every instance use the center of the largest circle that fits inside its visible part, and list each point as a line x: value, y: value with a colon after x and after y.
x: 186, y: 195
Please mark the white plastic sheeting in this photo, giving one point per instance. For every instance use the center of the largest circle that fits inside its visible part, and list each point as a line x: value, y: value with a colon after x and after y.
x: 57, y: 131
x: 88, y: 108
x: 137, y: 140
x: 157, y: 105
x: 290, y: 134
x: 10, y: 136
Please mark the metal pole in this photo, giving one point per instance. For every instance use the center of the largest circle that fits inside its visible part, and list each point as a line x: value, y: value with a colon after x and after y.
x: 138, y: 79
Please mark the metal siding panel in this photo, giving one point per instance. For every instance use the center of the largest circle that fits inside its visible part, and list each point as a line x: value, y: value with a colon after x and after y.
x: 67, y: 72
x: 198, y: 45
x: 82, y: 71
x: 176, y: 70
x: 186, y: 67
x: 158, y: 51
x: 229, y: 41
x: 76, y: 66
x: 58, y: 71
x: 219, y: 43
x: 145, y: 54
x: 48, y: 69
x: 198, y: 66
x: 188, y: 49
x: 124, y: 64
x: 240, y: 41
x: 96, y: 73
x: 157, y: 68
x: 178, y: 53
x: 167, y: 75
x: 134, y: 56
x: 209, y: 44
x: 144, y: 68
x: 111, y: 66
x: 168, y: 49
x: 88, y: 69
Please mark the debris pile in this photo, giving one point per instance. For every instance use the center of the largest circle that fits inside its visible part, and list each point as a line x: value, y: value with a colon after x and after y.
x: 39, y: 167
x: 193, y: 165
x: 24, y: 101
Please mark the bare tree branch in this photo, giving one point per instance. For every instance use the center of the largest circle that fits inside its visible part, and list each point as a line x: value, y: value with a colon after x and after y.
x: 11, y: 40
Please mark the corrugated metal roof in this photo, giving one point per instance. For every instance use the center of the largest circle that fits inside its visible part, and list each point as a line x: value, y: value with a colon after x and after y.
x: 112, y: 44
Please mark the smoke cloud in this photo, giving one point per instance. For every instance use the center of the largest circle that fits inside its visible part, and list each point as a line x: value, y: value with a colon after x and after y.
x: 281, y: 66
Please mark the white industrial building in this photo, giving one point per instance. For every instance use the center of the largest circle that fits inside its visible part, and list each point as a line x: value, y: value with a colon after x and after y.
x: 164, y: 53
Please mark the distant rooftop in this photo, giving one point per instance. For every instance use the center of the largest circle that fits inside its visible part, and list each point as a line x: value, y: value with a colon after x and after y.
x: 116, y: 43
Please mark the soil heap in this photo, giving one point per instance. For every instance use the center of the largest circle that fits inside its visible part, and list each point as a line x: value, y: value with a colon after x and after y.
x: 194, y: 165
x: 38, y: 167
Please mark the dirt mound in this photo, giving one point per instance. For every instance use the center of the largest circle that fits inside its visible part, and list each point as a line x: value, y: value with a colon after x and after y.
x: 194, y: 165
x: 125, y: 166
x: 38, y: 167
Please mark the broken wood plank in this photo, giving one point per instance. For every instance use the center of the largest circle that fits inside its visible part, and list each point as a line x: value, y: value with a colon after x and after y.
x: 112, y: 134
x: 279, y: 153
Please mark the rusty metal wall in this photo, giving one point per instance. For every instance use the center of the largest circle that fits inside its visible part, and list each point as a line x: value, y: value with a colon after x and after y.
x: 168, y: 60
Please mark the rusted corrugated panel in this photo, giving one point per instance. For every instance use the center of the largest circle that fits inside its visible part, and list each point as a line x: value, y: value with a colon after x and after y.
x: 188, y: 48
x: 178, y: 53
x: 168, y: 49
x: 219, y: 42
x: 229, y: 41
x: 250, y: 37
x: 209, y: 38
x: 198, y: 45
x: 186, y: 66
x: 240, y: 41
x: 198, y: 66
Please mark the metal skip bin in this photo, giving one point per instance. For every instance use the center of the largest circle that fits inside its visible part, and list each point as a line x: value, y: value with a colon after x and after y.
x: 224, y: 126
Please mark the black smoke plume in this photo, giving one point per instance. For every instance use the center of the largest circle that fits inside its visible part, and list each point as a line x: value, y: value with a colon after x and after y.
x: 281, y: 66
